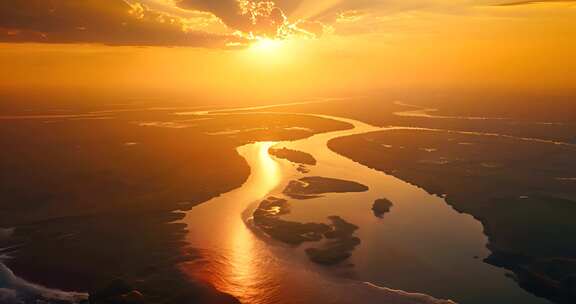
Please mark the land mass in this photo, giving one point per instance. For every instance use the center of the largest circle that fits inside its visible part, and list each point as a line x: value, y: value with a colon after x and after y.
x: 339, y: 245
x: 381, y: 206
x: 339, y: 241
x: 315, y: 186
x: 76, y: 189
x: 294, y: 156
x: 523, y: 114
x: 519, y: 190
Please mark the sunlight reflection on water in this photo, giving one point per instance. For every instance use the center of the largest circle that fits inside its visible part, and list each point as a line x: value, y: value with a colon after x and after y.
x: 242, y: 269
x: 235, y: 261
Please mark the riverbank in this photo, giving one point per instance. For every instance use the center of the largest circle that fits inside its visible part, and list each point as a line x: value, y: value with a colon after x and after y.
x: 509, y: 184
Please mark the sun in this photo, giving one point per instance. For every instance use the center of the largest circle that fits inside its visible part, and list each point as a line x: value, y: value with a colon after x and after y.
x: 266, y: 45
x: 268, y: 52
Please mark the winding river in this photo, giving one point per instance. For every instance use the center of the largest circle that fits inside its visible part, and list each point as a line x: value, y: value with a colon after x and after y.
x: 421, y: 247
x: 422, y: 251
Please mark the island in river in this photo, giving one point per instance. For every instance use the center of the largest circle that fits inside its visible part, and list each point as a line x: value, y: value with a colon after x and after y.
x: 301, y: 159
x: 294, y: 156
x: 315, y: 186
x: 381, y: 206
x: 337, y: 237
x: 338, y: 240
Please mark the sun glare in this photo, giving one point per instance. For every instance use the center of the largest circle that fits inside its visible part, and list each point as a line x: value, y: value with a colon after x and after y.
x: 266, y: 45
x: 267, y: 52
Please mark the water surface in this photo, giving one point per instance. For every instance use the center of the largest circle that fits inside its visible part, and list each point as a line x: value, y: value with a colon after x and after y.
x: 422, y: 246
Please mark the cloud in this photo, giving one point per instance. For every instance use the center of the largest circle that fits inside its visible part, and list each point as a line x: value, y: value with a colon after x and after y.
x: 350, y: 16
x: 114, y: 22
x: 205, y: 23
x: 255, y: 18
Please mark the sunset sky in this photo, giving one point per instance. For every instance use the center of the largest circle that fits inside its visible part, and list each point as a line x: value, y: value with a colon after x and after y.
x: 240, y: 48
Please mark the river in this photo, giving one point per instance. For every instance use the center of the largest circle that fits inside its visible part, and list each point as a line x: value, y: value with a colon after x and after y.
x: 421, y: 247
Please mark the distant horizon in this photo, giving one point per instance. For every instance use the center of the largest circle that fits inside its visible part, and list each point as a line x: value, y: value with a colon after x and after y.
x: 288, y: 48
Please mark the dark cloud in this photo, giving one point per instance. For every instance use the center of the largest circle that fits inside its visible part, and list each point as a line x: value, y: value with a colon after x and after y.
x: 113, y: 22
x: 148, y: 22
x: 227, y: 10
x: 259, y: 18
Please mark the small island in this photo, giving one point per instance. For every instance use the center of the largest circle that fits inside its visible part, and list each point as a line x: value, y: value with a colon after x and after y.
x: 314, y: 186
x: 339, y: 245
x: 267, y: 218
x: 294, y: 156
x: 338, y: 236
x: 381, y: 206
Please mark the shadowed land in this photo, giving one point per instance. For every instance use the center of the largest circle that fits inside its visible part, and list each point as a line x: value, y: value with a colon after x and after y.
x: 301, y: 159
x: 381, y: 206
x: 337, y: 237
x: 519, y: 190
x: 294, y: 156
x: 315, y: 186
x: 94, y: 200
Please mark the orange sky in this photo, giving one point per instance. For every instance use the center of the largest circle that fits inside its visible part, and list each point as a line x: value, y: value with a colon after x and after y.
x: 294, y: 48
